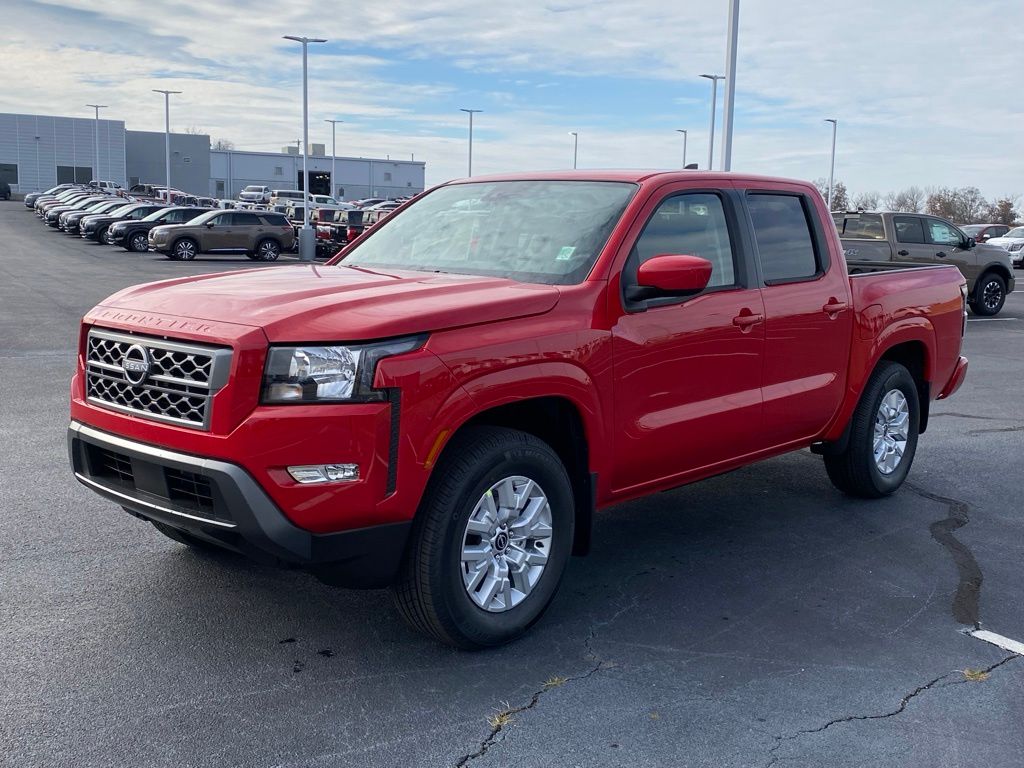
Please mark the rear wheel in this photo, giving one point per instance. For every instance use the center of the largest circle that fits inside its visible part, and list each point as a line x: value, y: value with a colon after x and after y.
x: 491, y: 541
x: 989, y: 295
x: 267, y: 250
x: 883, y: 436
x: 138, y: 242
x: 184, y: 250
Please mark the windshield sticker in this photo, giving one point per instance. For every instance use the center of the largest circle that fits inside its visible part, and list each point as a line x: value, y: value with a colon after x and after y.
x: 566, y: 253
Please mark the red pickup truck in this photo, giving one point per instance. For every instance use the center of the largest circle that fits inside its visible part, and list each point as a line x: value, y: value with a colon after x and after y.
x: 443, y: 406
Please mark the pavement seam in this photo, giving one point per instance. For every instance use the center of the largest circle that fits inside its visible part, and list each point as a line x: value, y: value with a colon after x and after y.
x: 904, y: 702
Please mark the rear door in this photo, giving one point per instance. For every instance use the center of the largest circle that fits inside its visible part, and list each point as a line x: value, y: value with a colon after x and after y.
x: 248, y: 229
x: 809, y: 318
x: 909, y: 238
x: 687, y: 371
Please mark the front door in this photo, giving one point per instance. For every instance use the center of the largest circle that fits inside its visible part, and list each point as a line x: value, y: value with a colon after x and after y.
x: 687, y: 392
x: 219, y: 236
x: 947, y: 247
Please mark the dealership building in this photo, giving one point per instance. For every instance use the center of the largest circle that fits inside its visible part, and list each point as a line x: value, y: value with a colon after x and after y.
x: 40, y: 151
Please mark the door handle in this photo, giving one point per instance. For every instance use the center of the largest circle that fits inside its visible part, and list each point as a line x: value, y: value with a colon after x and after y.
x: 747, y: 321
x: 904, y: 252
x: 834, y: 307
x: 941, y: 254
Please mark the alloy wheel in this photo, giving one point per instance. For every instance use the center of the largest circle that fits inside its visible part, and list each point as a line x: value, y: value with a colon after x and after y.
x: 992, y: 295
x: 892, y: 424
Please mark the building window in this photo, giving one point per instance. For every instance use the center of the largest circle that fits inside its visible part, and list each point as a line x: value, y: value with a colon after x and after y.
x: 278, y: 170
x: 220, y: 187
x: 9, y: 173
x: 387, y: 176
x: 67, y: 174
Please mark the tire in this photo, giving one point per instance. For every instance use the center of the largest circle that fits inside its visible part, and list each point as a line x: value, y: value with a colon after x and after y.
x: 267, y: 250
x: 138, y: 242
x: 101, y: 235
x: 184, y: 249
x: 439, y: 592
x: 989, y: 295
x: 856, y: 471
x: 185, y: 538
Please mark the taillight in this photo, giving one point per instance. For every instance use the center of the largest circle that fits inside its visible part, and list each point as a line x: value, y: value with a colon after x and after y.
x: 351, y: 234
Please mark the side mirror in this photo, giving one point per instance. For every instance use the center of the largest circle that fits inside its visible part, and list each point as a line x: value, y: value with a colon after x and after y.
x: 670, y: 275
x: 970, y: 243
x: 209, y: 225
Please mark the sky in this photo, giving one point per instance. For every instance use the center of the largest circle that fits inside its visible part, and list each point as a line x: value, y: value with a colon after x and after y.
x: 926, y: 92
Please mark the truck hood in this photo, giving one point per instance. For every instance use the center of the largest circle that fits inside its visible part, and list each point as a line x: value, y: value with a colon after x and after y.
x: 337, y: 303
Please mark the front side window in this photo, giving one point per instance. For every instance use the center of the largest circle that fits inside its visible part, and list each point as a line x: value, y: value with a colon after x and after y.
x: 908, y: 229
x: 941, y: 233
x: 532, y: 231
x: 690, y: 225
x: 783, y: 236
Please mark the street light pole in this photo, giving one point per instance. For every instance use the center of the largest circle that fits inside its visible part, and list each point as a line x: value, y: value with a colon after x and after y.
x: 470, y: 112
x: 167, y: 137
x: 714, y: 101
x: 832, y: 164
x: 575, y: 147
x: 306, y: 244
x: 97, y: 107
x: 680, y: 130
x: 730, y: 84
x: 334, y: 150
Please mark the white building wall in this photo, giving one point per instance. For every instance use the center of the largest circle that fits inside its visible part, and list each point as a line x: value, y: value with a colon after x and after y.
x: 67, y: 141
x: 231, y: 170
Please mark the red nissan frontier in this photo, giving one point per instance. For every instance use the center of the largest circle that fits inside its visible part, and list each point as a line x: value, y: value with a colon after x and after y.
x: 443, y: 406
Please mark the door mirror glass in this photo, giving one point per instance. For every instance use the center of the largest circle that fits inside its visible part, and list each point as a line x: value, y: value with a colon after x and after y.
x: 674, y: 275
x: 970, y: 242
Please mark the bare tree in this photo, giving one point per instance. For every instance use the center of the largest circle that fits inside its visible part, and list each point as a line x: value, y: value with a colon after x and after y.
x: 963, y: 205
x: 1001, y: 212
x: 223, y: 144
x: 866, y: 201
x: 194, y: 130
x: 840, y: 198
x: 909, y: 200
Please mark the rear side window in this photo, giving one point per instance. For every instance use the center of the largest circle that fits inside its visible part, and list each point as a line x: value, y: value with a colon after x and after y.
x: 783, y: 235
x: 861, y: 226
x: 691, y: 225
x: 908, y: 229
x: 276, y: 220
x: 245, y: 219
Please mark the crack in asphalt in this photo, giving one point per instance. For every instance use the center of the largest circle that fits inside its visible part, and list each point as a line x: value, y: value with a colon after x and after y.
x: 503, y: 722
x: 968, y: 591
x: 1018, y: 428
x: 780, y: 739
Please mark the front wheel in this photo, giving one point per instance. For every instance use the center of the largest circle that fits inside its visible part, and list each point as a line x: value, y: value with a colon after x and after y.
x: 103, y: 236
x: 883, y: 436
x: 989, y: 295
x: 491, y: 541
x: 184, y: 250
x: 138, y: 242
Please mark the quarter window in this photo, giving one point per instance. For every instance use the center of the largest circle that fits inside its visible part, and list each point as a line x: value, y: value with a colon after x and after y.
x: 691, y: 225
x: 908, y: 229
x: 783, y: 235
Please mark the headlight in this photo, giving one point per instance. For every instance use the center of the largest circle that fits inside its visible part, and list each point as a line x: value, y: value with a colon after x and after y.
x: 329, y: 374
x: 1016, y: 246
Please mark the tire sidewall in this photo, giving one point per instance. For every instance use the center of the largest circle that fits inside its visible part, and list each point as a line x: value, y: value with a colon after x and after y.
x: 259, y: 254
x: 482, y: 627
x: 131, y: 242
x: 184, y: 257
x: 895, y: 377
x: 978, y: 305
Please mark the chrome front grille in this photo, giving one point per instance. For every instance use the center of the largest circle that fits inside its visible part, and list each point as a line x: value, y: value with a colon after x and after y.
x: 177, y: 384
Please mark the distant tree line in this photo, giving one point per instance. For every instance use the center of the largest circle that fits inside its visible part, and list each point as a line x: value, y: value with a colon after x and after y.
x: 961, y: 205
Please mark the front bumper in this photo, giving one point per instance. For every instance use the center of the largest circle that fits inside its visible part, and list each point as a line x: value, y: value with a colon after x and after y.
x: 220, y: 502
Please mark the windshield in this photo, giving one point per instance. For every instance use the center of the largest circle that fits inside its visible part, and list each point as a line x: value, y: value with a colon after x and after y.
x: 253, y: 189
x: 158, y: 214
x: 123, y: 209
x: 1015, y: 232
x: 532, y: 231
x: 972, y: 229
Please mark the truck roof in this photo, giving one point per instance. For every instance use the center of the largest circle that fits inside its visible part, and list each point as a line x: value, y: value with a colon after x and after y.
x: 635, y: 176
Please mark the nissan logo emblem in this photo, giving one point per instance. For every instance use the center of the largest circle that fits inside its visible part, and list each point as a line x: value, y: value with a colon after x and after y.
x: 136, y: 364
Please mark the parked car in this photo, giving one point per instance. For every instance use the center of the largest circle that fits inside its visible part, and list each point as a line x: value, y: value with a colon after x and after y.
x: 110, y: 187
x: 260, y: 235
x: 98, y: 227
x: 443, y: 407
x: 982, y: 233
x: 225, y: 205
x: 70, y: 220
x: 133, y: 234
x: 332, y: 234
x: 31, y: 197
x: 146, y: 190
x: 387, y: 205
x: 1013, y: 243
x: 255, y: 193
x: 70, y: 197
x: 287, y: 197
x: 367, y: 202
x: 329, y: 203
x: 5, y: 190
x: 915, y: 238
x: 53, y: 212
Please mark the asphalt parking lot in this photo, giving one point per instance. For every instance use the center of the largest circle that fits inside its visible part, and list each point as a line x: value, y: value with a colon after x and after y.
x: 758, y: 618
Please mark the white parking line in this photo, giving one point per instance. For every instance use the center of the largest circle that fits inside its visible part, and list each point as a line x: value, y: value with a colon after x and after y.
x: 989, y: 319
x: 1003, y: 642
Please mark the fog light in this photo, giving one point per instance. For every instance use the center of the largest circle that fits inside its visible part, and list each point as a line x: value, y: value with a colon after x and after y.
x: 324, y: 473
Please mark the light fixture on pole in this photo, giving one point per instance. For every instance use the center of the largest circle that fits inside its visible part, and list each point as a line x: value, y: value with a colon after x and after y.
x: 682, y: 131
x: 97, y: 107
x: 334, y: 150
x: 729, y: 100
x: 832, y: 163
x: 470, y: 112
x: 306, y: 244
x: 167, y: 137
x: 714, y: 101
x: 575, y: 147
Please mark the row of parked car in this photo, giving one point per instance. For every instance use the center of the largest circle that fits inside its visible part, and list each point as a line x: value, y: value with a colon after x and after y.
x: 182, y: 232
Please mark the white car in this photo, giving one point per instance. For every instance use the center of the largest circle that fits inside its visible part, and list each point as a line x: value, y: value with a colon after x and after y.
x: 1012, y: 241
x: 288, y: 197
x: 255, y: 193
x: 105, y: 186
x: 328, y: 202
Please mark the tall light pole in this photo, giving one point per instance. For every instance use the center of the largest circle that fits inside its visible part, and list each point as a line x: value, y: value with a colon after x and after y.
x: 575, y: 147
x: 682, y: 131
x: 38, y: 169
x: 832, y: 164
x: 730, y: 84
x: 470, y: 112
x: 334, y: 150
x: 306, y: 244
x: 167, y: 137
x: 714, y: 101
x: 97, y: 107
